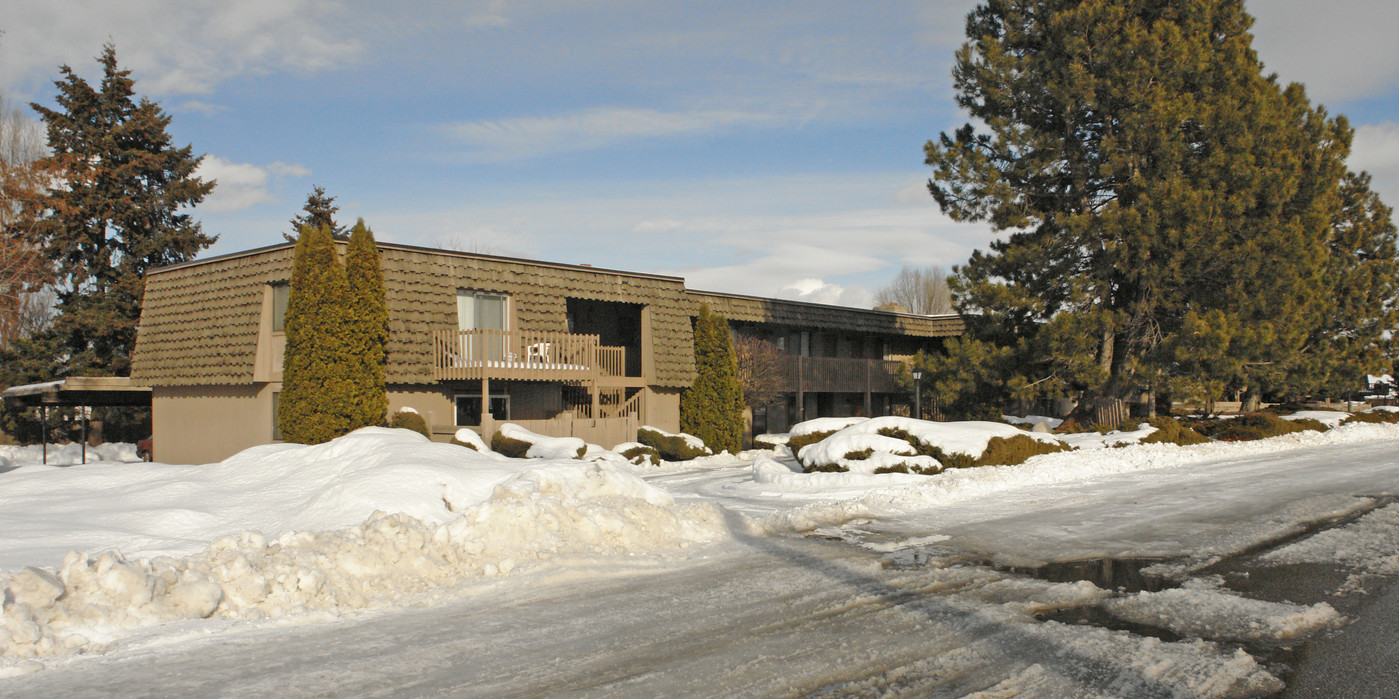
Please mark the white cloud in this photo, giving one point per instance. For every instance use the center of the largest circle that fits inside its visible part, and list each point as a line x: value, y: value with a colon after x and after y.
x: 177, y: 46
x: 529, y: 137
x: 1341, y: 49
x: 819, y: 291
x: 1376, y: 150
x: 241, y: 185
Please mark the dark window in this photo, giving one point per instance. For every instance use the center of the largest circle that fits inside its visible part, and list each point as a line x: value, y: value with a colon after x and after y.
x: 469, y: 408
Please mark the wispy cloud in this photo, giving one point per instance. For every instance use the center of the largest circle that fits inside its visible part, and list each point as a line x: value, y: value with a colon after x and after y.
x: 178, y: 46
x: 242, y: 185
x: 531, y: 137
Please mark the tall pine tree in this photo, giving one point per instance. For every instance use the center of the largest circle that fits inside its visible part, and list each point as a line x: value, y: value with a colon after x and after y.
x: 368, y: 331
x: 119, y: 211
x: 1169, y: 206
x: 712, y: 408
x: 317, y: 399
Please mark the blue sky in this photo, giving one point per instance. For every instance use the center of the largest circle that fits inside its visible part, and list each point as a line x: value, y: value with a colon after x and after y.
x: 770, y: 148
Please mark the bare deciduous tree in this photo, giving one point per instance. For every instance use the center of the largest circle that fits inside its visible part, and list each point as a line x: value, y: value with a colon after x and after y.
x: 762, y: 370
x: 922, y: 290
x: 24, y: 305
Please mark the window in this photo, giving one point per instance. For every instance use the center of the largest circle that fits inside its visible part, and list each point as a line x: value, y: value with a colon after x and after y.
x: 469, y: 408
x: 280, y: 293
x: 482, y: 311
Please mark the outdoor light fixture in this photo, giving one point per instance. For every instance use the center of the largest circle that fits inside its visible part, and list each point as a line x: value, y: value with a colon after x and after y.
x: 917, y: 394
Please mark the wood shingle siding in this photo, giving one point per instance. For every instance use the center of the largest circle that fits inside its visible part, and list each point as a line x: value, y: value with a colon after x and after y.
x: 753, y: 309
x: 199, y: 320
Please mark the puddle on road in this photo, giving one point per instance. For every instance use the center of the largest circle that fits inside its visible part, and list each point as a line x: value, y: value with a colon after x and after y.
x: 1123, y: 574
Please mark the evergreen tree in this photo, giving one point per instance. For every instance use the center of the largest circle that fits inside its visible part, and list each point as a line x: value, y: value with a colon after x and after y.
x: 317, y: 399
x: 318, y: 211
x: 712, y: 408
x: 369, y: 327
x: 1155, y: 183
x: 117, y: 213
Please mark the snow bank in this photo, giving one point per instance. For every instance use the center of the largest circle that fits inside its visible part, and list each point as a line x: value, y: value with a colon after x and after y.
x: 824, y: 424
x: 468, y: 436
x: 542, y: 512
x: 1049, y: 422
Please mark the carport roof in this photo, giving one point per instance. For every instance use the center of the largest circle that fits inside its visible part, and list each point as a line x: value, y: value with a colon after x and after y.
x: 79, y: 390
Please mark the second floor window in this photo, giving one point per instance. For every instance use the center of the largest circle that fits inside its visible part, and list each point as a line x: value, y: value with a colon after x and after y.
x: 280, y: 294
x: 478, y: 310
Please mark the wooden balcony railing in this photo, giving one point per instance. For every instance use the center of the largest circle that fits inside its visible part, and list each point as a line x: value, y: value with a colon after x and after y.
x: 521, y: 355
x: 841, y: 375
x: 612, y: 361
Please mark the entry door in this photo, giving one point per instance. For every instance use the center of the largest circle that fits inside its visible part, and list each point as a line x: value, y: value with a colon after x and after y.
x: 482, y: 311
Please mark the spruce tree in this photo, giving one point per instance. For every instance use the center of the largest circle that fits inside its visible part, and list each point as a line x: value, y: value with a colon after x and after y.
x: 1164, y: 199
x: 316, y: 403
x: 712, y: 408
x: 369, y: 327
x: 319, y: 210
x: 119, y: 211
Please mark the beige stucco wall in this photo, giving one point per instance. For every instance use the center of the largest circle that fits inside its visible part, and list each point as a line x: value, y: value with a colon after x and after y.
x: 663, y: 408
x: 204, y: 424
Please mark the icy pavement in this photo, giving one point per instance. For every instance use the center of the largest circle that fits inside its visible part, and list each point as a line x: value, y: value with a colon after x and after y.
x: 726, y: 575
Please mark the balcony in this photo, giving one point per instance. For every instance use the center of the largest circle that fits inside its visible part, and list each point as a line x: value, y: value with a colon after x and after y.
x: 841, y: 375
x: 523, y: 356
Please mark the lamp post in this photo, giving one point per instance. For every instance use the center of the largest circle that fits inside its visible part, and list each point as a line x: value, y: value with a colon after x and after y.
x: 917, y: 394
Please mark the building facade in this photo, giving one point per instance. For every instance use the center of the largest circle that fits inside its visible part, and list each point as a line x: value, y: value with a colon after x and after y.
x: 478, y: 340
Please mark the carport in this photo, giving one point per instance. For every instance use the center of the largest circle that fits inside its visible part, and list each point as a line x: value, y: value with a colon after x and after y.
x: 76, y: 392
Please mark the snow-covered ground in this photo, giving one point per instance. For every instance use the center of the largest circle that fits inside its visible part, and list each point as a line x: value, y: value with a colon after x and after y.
x: 726, y: 574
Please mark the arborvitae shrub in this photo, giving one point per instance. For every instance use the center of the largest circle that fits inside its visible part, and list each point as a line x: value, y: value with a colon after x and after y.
x: 367, y: 328
x: 1374, y: 417
x: 513, y: 448
x: 1171, y: 431
x: 316, y: 403
x: 712, y: 407
x: 670, y: 447
x: 409, y: 420
x: 642, y: 455
x: 796, y: 442
x: 1001, y: 451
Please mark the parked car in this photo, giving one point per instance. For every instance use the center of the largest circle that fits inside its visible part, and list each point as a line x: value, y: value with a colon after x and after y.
x: 143, y: 448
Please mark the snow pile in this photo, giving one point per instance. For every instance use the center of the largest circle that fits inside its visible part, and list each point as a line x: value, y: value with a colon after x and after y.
x: 1114, y: 438
x: 67, y: 454
x: 1330, y: 418
x: 544, y: 446
x: 824, y: 424
x: 1050, y: 423
x: 543, y: 512
x: 1215, y: 614
x: 969, y: 438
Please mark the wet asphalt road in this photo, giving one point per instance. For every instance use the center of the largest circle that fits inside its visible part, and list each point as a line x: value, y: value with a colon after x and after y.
x: 1360, y: 660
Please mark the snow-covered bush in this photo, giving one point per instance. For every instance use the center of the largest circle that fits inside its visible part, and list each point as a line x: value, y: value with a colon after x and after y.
x: 1170, y: 431
x: 467, y: 437
x: 409, y: 419
x: 905, y: 445
x: 1374, y: 416
x: 769, y: 441
x: 638, y: 453
x: 517, y: 442
x: 1254, y: 426
x: 672, y: 447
